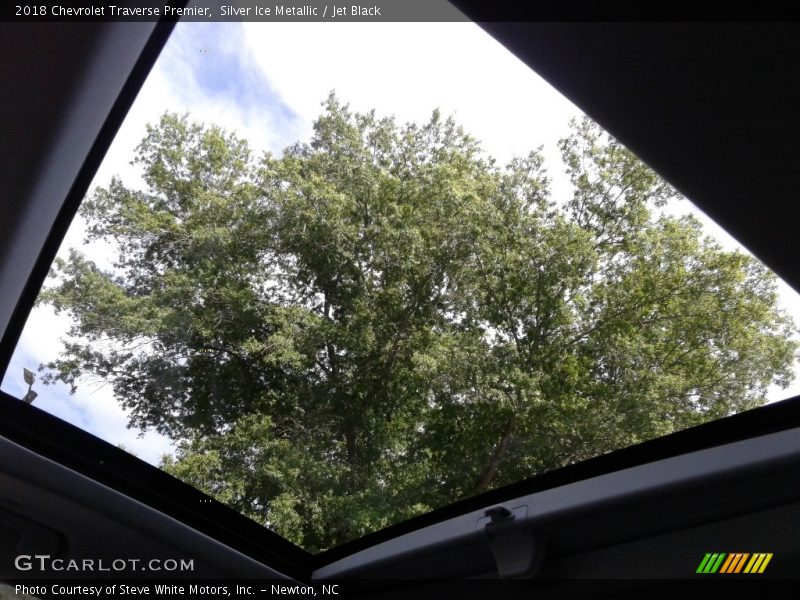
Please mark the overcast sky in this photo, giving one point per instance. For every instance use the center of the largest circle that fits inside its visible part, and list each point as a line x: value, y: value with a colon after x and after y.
x: 267, y: 81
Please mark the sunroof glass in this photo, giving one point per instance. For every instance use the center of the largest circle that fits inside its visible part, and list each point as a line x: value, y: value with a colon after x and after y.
x: 336, y: 310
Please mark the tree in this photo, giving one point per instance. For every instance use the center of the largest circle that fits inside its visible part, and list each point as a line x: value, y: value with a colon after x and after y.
x: 383, y: 320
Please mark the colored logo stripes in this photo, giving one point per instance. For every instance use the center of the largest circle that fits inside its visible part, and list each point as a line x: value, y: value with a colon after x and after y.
x: 734, y: 562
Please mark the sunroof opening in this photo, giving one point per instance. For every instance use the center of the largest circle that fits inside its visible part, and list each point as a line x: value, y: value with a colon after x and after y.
x: 337, y: 289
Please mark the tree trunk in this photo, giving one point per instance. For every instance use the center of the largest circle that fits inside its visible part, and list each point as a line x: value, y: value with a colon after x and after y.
x: 498, y: 455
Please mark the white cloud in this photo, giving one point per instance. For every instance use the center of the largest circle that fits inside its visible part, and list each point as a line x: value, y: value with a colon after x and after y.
x: 92, y: 407
x: 409, y: 69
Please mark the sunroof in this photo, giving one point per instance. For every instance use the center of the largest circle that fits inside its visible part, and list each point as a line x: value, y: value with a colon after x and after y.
x: 337, y: 289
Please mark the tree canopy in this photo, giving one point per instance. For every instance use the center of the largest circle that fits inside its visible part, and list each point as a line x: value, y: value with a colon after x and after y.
x: 383, y: 320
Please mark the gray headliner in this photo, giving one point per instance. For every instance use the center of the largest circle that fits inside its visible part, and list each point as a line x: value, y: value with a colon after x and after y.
x: 77, y: 507
x: 540, y: 506
x: 48, y: 129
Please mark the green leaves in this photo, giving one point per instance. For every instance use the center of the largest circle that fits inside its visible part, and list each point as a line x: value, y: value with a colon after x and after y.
x: 382, y: 321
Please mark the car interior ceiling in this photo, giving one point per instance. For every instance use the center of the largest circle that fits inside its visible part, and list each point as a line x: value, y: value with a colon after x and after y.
x: 712, y: 107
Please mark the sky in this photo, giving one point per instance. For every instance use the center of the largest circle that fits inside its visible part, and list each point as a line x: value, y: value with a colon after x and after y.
x: 267, y: 81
